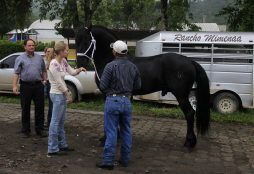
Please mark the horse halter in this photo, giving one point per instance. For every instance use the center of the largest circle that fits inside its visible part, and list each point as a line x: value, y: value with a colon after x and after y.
x: 93, y: 42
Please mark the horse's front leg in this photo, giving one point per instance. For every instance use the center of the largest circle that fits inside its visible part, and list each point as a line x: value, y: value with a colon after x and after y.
x: 189, y: 113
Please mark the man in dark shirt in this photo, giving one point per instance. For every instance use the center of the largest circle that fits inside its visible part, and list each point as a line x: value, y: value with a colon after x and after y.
x: 119, y: 79
x: 30, y: 67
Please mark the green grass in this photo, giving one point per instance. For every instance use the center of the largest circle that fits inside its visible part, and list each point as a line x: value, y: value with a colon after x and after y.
x: 72, y: 63
x: 93, y: 102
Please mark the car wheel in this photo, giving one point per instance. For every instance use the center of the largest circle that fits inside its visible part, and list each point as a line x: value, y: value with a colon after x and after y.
x: 226, y: 103
x: 193, y: 100
x: 72, y: 91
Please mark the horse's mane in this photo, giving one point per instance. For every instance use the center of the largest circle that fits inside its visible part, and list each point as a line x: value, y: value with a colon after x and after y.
x: 82, y: 32
x: 113, y: 35
x: 108, y: 31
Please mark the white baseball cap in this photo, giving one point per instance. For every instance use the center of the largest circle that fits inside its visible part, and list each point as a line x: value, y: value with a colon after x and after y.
x: 120, y: 47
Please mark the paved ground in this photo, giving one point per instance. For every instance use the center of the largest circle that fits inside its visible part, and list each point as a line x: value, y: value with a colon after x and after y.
x: 157, y: 147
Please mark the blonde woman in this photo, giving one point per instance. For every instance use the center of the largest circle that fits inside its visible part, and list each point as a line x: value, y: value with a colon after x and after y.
x: 47, y: 88
x: 57, y: 67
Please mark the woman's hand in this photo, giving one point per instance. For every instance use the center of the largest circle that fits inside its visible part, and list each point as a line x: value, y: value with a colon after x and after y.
x: 81, y: 69
x: 69, y: 99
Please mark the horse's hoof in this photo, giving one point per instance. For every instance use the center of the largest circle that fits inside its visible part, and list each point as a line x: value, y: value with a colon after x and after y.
x: 101, y: 144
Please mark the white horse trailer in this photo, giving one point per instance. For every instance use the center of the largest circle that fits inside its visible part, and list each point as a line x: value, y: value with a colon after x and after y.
x: 227, y: 58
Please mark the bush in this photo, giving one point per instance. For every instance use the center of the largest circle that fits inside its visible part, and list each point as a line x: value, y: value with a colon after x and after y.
x: 52, y: 44
x: 131, y: 50
x: 8, y: 47
x: 39, y: 47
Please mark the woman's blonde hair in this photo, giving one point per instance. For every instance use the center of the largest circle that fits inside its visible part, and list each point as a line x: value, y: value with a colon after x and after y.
x: 61, y: 46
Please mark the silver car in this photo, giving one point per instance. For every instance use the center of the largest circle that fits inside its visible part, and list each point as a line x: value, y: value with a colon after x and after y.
x: 77, y: 85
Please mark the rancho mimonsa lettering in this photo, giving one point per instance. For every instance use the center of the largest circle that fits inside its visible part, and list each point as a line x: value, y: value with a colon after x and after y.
x: 207, y: 38
x: 181, y: 37
x: 216, y: 38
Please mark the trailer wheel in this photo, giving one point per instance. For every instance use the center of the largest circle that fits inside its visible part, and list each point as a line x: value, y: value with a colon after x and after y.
x: 72, y: 91
x: 226, y: 103
x: 193, y: 100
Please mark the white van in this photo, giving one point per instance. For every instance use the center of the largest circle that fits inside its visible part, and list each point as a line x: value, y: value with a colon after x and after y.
x: 227, y: 58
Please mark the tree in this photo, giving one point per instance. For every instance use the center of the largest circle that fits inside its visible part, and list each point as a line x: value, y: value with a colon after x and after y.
x: 68, y: 11
x: 173, y: 14
x: 127, y: 14
x: 208, y: 8
x: 240, y: 15
x: 104, y: 13
x: 147, y: 16
x: 14, y: 14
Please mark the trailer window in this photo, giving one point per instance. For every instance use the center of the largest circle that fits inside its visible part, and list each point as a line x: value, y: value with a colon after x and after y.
x: 219, y: 53
x: 196, y: 48
x: 170, y: 48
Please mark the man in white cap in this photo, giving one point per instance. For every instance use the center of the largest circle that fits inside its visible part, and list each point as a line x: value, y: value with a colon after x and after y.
x: 120, y: 77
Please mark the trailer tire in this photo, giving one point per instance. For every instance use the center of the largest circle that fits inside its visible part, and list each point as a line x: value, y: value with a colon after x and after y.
x: 193, y: 100
x: 72, y: 91
x: 226, y: 103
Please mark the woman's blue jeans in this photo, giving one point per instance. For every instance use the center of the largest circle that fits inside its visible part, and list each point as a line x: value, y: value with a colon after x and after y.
x: 46, y: 93
x: 56, y: 137
x: 117, y: 111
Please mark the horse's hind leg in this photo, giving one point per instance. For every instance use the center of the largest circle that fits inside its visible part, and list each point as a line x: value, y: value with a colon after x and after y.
x: 189, y: 113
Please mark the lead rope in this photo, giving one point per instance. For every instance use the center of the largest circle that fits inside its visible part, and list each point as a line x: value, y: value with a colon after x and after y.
x: 93, y: 42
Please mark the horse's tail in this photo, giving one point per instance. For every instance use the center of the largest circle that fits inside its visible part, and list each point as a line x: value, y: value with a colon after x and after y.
x: 203, y: 99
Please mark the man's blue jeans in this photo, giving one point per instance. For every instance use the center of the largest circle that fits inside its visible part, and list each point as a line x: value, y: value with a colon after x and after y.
x: 46, y: 92
x: 56, y: 137
x: 117, y: 111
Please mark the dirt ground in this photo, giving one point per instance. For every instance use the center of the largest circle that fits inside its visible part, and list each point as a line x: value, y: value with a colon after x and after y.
x: 157, y: 147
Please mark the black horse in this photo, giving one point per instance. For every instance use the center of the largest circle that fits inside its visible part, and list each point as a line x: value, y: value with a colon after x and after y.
x: 158, y: 73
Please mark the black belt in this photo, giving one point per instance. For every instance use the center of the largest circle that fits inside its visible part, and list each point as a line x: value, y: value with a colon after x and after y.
x: 119, y: 95
x: 29, y: 83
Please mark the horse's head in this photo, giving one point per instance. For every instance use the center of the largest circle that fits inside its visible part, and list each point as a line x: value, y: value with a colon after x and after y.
x: 84, y: 43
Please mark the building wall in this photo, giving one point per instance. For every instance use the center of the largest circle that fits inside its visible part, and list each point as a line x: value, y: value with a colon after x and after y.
x: 222, y: 28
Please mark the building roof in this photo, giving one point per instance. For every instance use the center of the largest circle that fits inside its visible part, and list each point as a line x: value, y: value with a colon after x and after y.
x: 49, y: 34
x: 18, y: 31
x: 208, y: 26
x: 44, y: 24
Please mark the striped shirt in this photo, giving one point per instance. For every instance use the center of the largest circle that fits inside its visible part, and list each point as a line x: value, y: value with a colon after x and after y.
x: 120, y: 77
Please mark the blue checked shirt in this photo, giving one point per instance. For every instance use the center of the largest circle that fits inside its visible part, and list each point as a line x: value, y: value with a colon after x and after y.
x: 120, y: 77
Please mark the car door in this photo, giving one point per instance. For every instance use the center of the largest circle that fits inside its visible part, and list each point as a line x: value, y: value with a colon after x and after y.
x: 6, y: 73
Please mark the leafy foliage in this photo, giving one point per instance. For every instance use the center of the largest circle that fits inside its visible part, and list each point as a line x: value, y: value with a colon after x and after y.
x: 175, y: 15
x: 177, y: 12
x: 127, y: 14
x: 209, y: 8
x: 8, y: 47
x: 14, y: 14
x: 240, y: 15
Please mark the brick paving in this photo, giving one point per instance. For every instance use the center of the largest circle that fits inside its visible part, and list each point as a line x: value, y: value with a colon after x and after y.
x: 158, y: 144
